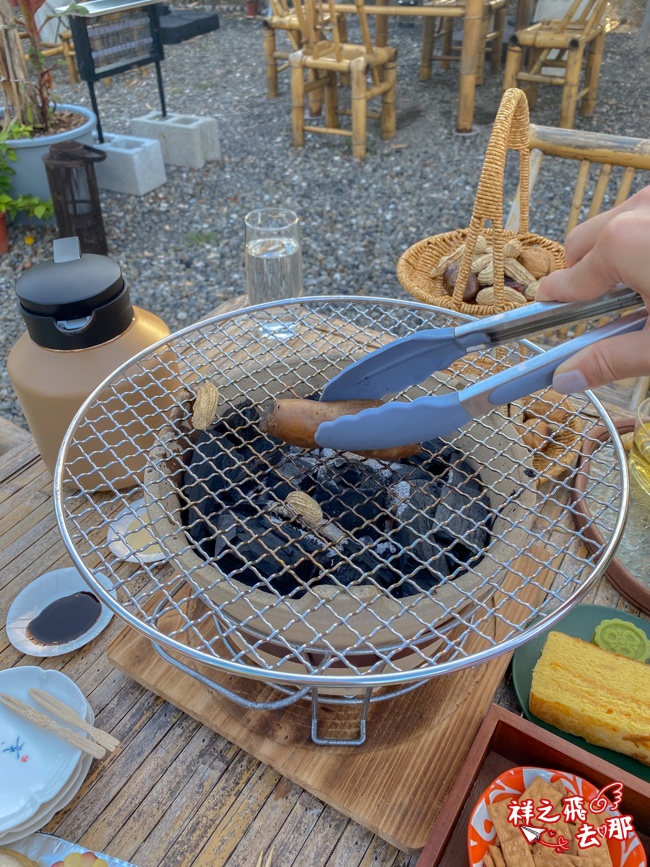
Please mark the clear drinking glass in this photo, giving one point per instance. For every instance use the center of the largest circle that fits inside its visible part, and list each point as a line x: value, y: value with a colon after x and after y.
x: 273, y: 255
x: 639, y: 458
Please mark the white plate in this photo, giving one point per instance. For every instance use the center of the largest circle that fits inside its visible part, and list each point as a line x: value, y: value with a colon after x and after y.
x: 67, y: 793
x: 118, y: 539
x: 41, y: 593
x: 35, y: 764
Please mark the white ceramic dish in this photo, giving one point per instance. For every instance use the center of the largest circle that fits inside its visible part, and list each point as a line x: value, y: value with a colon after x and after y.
x: 35, y: 764
x: 41, y: 593
x: 118, y: 538
x: 47, y: 810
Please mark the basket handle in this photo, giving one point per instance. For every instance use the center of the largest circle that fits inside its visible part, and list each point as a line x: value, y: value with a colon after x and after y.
x: 510, y: 131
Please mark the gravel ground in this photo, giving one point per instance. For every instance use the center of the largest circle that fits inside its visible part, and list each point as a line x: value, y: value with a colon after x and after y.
x: 180, y: 246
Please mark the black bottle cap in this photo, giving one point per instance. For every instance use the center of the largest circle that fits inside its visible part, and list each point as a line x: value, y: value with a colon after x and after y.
x: 74, y: 300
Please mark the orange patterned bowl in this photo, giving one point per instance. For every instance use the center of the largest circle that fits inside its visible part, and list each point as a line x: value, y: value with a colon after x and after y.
x: 625, y: 852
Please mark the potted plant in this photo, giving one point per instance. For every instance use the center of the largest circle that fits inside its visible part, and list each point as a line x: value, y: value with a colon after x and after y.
x: 12, y: 205
x: 32, y: 118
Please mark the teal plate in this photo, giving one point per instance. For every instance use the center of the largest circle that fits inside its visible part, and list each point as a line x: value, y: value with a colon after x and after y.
x: 581, y: 622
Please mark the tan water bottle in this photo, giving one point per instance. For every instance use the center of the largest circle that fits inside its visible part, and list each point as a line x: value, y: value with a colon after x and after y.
x: 81, y: 326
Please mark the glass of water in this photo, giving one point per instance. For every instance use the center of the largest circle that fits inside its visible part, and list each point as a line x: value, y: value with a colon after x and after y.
x: 273, y: 255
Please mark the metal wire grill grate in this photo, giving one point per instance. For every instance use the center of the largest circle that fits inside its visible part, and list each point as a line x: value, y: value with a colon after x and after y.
x: 266, y: 616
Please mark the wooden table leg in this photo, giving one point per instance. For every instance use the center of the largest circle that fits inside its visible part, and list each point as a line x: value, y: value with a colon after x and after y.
x: 469, y: 58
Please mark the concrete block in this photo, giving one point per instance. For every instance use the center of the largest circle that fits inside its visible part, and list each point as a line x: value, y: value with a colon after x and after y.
x: 210, y: 138
x: 132, y: 165
x: 185, y: 139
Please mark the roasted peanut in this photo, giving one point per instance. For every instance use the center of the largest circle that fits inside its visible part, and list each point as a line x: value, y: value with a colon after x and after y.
x: 511, y: 296
x: 481, y: 262
x: 531, y: 290
x: 512, y: 248
x: 513, y: 268
x: 304, y: 506
x: 486, y: 275
x: 442, y: 265
x: 205, y: 406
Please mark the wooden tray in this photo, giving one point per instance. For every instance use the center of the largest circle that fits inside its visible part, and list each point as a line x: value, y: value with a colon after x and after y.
x: 396, y: 783
x: 504, y: 741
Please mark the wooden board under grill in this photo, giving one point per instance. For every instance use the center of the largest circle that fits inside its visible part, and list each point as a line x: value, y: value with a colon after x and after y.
x: 396, y: 783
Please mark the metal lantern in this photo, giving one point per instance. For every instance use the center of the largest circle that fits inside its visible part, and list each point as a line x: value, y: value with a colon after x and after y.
x: 70, y: 168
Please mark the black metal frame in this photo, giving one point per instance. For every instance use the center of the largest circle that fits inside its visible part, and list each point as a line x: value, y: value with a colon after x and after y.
x: 130, y: 36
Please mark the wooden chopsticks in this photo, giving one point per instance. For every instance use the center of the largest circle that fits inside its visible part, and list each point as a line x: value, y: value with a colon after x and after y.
x: 51, y: 703
x: 267, y: 863
x: 40, y: 719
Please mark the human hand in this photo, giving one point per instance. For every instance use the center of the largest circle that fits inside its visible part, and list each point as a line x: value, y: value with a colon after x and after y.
x: 609, y: 250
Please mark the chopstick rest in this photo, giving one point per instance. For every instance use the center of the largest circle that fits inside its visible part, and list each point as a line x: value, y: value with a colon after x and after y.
x: 40, y: 719
x: 55, y: 706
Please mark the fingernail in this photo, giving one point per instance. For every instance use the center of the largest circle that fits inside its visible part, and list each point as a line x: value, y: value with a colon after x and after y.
x: 569, y: 382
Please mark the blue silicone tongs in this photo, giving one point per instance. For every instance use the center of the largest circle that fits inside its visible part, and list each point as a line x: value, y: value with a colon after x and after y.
x: 411, y: 360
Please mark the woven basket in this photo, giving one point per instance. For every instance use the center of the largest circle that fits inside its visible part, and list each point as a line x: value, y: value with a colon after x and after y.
x: 415, y: 267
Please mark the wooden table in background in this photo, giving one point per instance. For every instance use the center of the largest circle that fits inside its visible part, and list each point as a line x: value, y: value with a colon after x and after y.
x: 175, y: 793
x: 472, y: 13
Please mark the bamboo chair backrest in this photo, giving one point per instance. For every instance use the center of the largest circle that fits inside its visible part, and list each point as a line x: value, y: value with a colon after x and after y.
x: 280, y: 8
x: 588, y: 149
x: 310, y: 16
x: 585, y: 15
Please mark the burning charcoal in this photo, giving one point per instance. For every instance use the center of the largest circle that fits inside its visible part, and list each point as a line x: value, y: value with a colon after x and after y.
x: 254, y: 553
x: 415, y: 535
x: 225, y: 532
x: 451, y: 520
x: 240, y: 427
x: 357, y: 568
x: 409, y: 525
x: 275, y: 491
x: 211, y: 470
x: 435, y: 457
x: 352, y: 498
x: 410, y: 474
x: 462, y: 525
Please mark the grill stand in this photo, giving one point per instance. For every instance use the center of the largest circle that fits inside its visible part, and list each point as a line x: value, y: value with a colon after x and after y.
x: 328, y: 332
x: 292, y: 696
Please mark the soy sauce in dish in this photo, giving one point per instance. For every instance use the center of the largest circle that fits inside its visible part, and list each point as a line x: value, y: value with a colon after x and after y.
x: 65, y: 619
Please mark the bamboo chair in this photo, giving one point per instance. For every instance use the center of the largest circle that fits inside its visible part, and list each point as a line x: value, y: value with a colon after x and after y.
x: 442, y: 28
x: 64, y: 46
x: 327, y: 62
x: 597, y: 156
x: 283, y: 18
x: 566, y: 45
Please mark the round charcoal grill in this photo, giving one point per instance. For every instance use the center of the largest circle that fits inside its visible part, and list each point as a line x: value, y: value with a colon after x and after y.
x: 436, y: 563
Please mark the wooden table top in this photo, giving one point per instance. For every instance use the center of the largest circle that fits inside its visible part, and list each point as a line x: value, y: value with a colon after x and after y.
x: 173, y: 783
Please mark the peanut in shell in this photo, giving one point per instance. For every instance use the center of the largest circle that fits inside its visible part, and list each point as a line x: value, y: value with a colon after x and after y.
x: 510, y: 295
x: 305, y: 507
x: 205, y: 406
x: 447, y: 260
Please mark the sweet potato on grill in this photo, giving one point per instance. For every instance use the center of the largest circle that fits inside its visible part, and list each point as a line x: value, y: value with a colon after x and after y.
x: 294, y: 421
